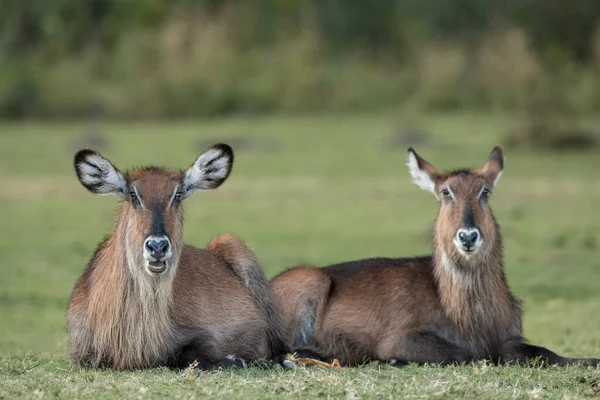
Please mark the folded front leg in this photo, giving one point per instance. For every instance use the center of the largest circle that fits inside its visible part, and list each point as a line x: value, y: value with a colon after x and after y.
x: 518, y: 352
x: 427, y: 347
x: 205, y: 360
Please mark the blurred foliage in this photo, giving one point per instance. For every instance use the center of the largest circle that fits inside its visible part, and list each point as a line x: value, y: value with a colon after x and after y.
x: 550, y: 122
x: 160, y: 58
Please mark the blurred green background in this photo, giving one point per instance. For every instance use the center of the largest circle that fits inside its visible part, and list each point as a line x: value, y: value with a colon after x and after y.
x: 184, y: 58
x: 319, y: 100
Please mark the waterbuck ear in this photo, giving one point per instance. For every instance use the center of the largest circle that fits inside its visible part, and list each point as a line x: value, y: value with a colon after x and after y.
x: 492, y: 170
x: 209, y: 170
x: 99, y: 175
x: 423, y: 173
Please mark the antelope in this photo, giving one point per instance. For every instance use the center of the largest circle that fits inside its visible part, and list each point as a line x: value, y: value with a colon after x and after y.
x: 146, y: 299
x: 450, y: 308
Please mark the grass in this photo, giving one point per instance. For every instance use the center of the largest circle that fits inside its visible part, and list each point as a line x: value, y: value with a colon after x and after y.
x: 315, y: 190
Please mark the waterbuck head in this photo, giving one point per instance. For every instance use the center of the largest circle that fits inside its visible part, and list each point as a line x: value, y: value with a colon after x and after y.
x: 151, y: 220
x: 465, y: 227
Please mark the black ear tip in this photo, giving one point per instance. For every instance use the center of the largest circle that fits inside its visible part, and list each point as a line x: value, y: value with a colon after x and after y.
x: 411, y: 150
x: 497, y: 155
x: 82, y: 154
x: 497, y: 152
x: 224, y: 148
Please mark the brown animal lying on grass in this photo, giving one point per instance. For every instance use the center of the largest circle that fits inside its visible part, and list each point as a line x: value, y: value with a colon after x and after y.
x: 146, y: 299
x: 452, y: 307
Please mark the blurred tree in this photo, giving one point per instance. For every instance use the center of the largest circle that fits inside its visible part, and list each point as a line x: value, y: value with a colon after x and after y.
x: 37, y: 36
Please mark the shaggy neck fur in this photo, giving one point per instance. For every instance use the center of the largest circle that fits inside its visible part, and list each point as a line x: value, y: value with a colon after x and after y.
x: 129, y: 310
x: 475, y: 297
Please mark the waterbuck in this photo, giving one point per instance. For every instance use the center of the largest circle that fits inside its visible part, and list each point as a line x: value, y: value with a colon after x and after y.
x: 146, y: 299
x: 452, y: 307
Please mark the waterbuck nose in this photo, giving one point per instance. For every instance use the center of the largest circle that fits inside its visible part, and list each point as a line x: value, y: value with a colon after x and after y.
x: 468, y: 237
x: 157, y: 247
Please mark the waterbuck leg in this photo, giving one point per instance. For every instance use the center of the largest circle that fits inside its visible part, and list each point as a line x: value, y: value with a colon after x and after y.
x: 204, y: 364
x: 517, y: 352
x: 196, y: 354
x: 303, y: 341
x: 427, y: 347
x: 224, y: 363
x: 396, y: 363
x: 306, y: 353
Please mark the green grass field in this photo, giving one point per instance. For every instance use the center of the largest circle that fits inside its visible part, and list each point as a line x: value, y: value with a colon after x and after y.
x: 316, y: 190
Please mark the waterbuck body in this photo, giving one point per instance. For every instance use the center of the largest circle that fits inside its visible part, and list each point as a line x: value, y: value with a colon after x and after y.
x: 146, y: 299
x: 452, y: 307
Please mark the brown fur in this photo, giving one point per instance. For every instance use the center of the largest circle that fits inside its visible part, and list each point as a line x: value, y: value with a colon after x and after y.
x: 246, y: 267
x: 441, y: 309
x: 204, y: 307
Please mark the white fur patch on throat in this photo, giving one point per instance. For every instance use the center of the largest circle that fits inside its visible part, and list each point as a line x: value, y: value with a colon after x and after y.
x: 451, y: 269
x: 420, y: 178
x: 446, y: 263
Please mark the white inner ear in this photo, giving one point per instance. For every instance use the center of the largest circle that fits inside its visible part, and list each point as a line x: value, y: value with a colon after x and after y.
x: 420, y: 178
x: 99, y: 172
x: 212, y: 166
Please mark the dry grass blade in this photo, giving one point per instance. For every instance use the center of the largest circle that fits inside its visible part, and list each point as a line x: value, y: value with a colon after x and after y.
x: 311, y: 361
x: 190, y: 370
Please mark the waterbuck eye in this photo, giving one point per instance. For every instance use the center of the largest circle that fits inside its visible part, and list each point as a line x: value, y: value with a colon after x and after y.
x: 132, y: 196
x: 445, y: 192
x: 485, y: 193
x: 177, y: 197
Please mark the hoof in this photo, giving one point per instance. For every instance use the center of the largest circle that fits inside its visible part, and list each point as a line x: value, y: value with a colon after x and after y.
x: 225, y: 363
x: 396, y: 363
